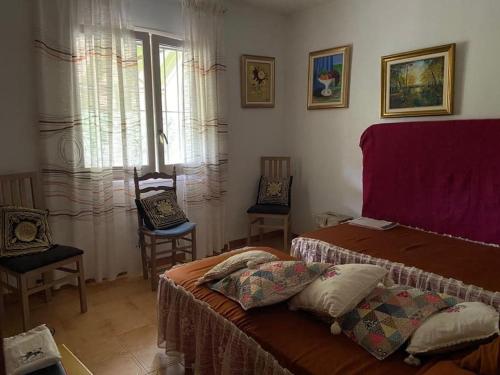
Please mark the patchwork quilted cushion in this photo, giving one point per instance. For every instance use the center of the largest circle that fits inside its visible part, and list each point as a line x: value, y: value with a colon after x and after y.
x: 384, y: 320
x: 161, y: 211
x: 237, y: 262
x: 23, y: 231
x: 268, y: 283
x: 274, y: 191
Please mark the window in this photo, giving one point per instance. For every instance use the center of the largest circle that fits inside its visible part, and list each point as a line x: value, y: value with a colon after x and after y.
x: 161, y: 99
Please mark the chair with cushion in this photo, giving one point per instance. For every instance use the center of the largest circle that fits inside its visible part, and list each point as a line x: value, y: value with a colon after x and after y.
x: 25, y: 232
x: 161, y: 222
x: 273, y: 198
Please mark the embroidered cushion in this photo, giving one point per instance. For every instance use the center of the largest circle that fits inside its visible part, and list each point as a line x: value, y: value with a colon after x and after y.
x: 30, y: 351
x: 23, y: 231
x: 339, y: 289
x: 453, y: 328
x: 268, y: 283
x: 274, y: 191
x: 161, y: 211
x: 237, y: 262
x: 384, y: 320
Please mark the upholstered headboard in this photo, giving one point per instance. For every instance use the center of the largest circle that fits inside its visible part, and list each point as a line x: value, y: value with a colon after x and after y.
x: 442, y: 176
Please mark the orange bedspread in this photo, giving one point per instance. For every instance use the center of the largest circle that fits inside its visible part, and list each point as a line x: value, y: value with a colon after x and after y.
x: 469, y: 262
x: 299, y: 342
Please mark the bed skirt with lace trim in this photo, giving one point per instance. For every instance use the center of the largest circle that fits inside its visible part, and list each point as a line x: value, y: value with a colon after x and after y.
x: 211, y: 344
x: 313, y: 250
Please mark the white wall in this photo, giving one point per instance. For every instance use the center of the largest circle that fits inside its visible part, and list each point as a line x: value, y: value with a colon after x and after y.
x: 163, y: 15
x: 18, y: 127
x: 253, y: 132
x: 324, y: 143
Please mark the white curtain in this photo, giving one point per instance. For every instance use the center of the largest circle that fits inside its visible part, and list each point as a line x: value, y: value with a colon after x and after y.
x: 90, y: 134
x: 205, y: 127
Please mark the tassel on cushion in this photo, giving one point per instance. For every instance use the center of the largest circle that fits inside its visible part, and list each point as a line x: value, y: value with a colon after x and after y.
x: 388, y: 282
x: 412, y: 361
x: 335, y: 328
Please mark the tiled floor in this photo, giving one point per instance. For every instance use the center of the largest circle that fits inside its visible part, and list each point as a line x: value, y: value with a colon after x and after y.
x: 116, y: 336
x: 118, y: 333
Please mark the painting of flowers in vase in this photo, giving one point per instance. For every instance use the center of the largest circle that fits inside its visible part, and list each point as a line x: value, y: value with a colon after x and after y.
x: 257, y: 81
x: 328, y: 85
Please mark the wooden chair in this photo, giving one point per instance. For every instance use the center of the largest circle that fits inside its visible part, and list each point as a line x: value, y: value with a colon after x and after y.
x: 155, y: 261
x: 273, y: 167
x: 23, y: 190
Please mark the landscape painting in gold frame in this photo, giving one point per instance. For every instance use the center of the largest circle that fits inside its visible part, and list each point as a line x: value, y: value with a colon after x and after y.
x: 257, y: 81
x: 328, y: 82
x: 418, y: 83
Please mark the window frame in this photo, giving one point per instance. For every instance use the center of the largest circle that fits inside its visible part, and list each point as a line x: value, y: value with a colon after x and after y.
x: 149, y: 105
x: 156, y: 41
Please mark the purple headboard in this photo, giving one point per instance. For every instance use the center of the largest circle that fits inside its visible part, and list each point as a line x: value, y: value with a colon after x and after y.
x: 442, y: 176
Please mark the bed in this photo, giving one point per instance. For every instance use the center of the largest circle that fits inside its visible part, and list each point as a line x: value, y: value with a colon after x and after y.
x: 439, y: 194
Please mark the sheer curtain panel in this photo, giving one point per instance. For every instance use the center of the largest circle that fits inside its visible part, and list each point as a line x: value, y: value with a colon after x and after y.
x: 205, y: 127
x: 90, y: 134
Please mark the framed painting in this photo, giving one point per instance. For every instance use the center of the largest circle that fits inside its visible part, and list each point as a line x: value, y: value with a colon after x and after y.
x: 418, y: 83
x: 257, y: 81
x: 328, y: 84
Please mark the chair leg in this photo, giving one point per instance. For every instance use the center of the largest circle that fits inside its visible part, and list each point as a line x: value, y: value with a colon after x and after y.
x: 82, y: 287
x: 193, y: 244
x: 174, y: 253
x: 154, y: 276
x: 285, y: 234
x: 25, y: 304
x: 261, y: 230
x: 144, y: 257
x: 249, y: 238
x: 47, y: 279
x: 2, y: 306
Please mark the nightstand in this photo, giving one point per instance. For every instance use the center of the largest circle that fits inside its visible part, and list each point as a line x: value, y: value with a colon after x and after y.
x: 330, y: 219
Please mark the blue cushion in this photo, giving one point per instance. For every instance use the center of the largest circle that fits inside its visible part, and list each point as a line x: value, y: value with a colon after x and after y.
x: 274, y: 209
x: 179, y: 230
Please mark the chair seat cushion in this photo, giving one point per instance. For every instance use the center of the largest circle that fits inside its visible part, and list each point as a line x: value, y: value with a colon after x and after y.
x: 273, y: 209
x: 30, y: 262
x: 179, y: 230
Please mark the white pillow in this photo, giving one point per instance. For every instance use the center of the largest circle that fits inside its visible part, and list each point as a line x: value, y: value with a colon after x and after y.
x: 236, y: 262
x: 339, y: 289
x: 465, y: 322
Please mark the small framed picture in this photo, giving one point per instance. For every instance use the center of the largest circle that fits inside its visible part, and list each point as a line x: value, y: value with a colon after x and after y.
x: 418, y: 83
x: 328, y: 84
x: 257, y: 81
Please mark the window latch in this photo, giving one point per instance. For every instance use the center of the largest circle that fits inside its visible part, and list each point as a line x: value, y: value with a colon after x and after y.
x: 163, y: 137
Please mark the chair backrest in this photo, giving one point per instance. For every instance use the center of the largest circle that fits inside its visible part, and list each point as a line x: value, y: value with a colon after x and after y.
x: 143, y: 190
x: 275, y: 166
x: 21, y: 189
x: 154, y: 176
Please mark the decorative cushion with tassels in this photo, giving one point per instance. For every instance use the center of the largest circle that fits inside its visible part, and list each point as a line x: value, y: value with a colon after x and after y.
x: 23, y: 231
x: 274, y: 191
x: 161, y: 211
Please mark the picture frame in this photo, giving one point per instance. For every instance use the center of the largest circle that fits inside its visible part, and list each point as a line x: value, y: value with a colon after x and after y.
x: 257, y: 81
x: 328, y: 78
x: 418, y: 83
